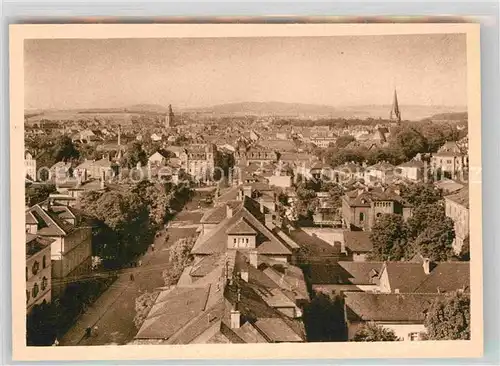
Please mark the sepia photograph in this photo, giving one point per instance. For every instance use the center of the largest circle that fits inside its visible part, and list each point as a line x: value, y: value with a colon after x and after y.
x: 234, y: 187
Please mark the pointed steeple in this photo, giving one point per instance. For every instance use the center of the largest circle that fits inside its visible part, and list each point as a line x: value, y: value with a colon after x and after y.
x: 395, y: 112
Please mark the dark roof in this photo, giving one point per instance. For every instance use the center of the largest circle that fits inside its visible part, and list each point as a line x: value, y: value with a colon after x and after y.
x: 358, y: 241
x: 346, y: 273
x: 48, y: 224
x: 216, y: 240
x: 410, y: 277
x: 404, y: 276
x: 277, y: 330
x: 241, y: 227
x: 446, y: 277
x: 35, y: 243
x: 364, y: 306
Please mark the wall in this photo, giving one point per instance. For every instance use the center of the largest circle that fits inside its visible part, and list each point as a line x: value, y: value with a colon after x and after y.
x: 242, y: 241
x: 32, y: 279
x: 283, y: 181
x: 384, y: 282
x: 400, y: 329
x: 359, y: 257
x: 460, y: 216
x: 279, y: 258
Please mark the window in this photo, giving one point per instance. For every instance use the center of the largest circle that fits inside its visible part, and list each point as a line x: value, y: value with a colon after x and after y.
x: 26, y: 273
x: 35, y: 290
x: 246, y: 240
x: 35, y: 268
x: 234, y: 241
x: 414, y: 336
x: 27, y: 296
x: 379, y: 214
x: 44, y: 262
x: 361, y: 217
x: 44, y: 283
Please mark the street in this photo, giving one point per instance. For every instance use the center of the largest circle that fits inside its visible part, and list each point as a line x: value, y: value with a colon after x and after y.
x: 113, y: 312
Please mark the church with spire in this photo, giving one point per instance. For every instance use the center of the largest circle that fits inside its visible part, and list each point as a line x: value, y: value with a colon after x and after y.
x: 169, y: 118
x: 395, y: 114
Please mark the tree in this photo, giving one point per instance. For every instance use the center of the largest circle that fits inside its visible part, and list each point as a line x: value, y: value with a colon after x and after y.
x: 179, y: 259
x: 143, y: 305
x: 465, y: 250
x: 389, y: 238
x: 37, y: 193
x: 343, y: 141
x: 431, y: 232
x: 64, y: 149
x: 324, y: 319
x: 372, y: 332
x: 449, y: 317
x: 418, y: 194
x: 123, y: 227
x: 136, y: 155
x: 410, y: 142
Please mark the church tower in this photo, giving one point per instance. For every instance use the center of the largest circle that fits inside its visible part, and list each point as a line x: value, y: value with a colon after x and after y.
x: 395, y: 112
x: 169, y: 118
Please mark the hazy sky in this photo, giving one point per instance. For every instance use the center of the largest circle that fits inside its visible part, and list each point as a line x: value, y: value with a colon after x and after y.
x: 425, y: 69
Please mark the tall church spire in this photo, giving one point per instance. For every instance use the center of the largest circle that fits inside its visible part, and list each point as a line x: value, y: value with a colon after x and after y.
x: 395, y: 112
x: 169, y: 118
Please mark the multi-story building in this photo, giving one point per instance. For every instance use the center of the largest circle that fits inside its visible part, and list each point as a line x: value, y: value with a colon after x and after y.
x: 198, y: 160
x: 361, y: 207
x: 380, y: 172
x: 457, y: 208
x: 30, y: 166
x: 256, y: 154
x: 413, y: 170
x: 38, y: 270
x: 71, y: 246
x: 450, y: 160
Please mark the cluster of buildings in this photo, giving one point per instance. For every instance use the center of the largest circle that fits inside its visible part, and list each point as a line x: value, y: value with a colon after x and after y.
x: 245, y: 283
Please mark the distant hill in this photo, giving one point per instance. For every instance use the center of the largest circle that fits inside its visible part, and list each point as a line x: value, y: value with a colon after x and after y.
x: 409, y: 112
x: 268, y: 108
x: 146, y: 108
x: 458, y: 116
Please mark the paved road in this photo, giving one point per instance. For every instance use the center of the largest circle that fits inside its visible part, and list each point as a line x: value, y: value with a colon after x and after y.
x: 114, y: 311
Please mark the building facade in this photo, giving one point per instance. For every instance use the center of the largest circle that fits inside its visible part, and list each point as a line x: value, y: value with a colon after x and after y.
x: 199, y: 160
x: 38, y: 271
x: 361, y: 207
x: 457, y: 208
x: 30, y: 166
x: 71, y: 243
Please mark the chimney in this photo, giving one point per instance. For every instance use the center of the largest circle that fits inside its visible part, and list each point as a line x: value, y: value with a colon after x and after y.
x: 253, y: 258
x: 262, y: 207
x: 229, y: 211
x: 235, y: 319
x: 103, y: 177
x: 427, y: 265
x: 269, y: 221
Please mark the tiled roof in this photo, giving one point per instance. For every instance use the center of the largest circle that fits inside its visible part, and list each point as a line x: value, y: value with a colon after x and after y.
x: 446, y: 277
x: 241, y: 227
x: 358, y: 241
x: 35, y: 243
x: 216, y: 240
x: 218, y: 213
x: 410, y: 277
x: 461, y: 197
x: 48, y: 224
x: 346, y: 273
x: 169, y: 316
x: 364, y: 306
x: 277, y: 330
x: 412, y: 164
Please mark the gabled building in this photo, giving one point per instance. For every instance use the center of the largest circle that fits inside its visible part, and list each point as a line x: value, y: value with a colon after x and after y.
x: 361, y: 207
x: 30, y: 166
x: 198, y: 160
x: 71, y: 242
x: 450, y: 160
x: 247, y: 226
x: 402, y: 313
